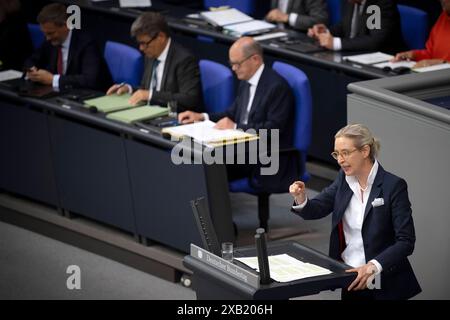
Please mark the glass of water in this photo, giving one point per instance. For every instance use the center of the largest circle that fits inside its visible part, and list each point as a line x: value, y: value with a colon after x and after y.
x: 173, y: 108
x: 227, y: 251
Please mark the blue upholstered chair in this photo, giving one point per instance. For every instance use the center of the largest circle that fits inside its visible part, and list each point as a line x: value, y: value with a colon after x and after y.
x: 124, y: 62
x: 246, y: 6
x: 299, y: 83
x: 36, y: 34
x: 334, y: 11
x: 217, y: 85
x: 414, y: 26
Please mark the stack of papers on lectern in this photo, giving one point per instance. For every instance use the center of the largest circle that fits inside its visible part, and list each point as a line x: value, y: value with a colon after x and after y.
x: 205, y: 133
x: 236, y: 22
x: 284, y: 268
x: 138, y: 114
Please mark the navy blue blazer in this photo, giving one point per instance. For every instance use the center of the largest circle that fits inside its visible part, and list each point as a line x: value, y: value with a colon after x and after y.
x: 272, y: 107
x: 86, y: 67
x: 387, y: 231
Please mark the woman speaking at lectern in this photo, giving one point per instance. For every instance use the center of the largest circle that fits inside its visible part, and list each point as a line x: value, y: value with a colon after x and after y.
x: 372, y: 226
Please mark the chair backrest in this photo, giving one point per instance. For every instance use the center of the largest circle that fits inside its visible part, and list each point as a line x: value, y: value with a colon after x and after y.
x: 334, y: 11
x: 299, y: 83
x: 246, y: 6
x: 36, y: 34
x: 217, y: 85
x: 125, y: 63
x: 414, y: 24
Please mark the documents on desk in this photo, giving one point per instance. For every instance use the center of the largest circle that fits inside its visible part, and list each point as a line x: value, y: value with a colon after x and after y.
x: 284, y: 268
x: 269, y: 36
x: 435, y: 67
x: 393, y: 65
x: 236, y: 22
x: 135, y: 3
x: 249, y: 27
x: 204, y: 132
x: 369, y: 58
x: 138, y: 114
x: 10, y: 75
x: 110, y: 103
x: 222, y: 18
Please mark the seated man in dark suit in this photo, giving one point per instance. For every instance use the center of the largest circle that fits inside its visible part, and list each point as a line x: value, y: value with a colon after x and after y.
x: 69, y: 58
x: 353, y: 33
x: 264, y: 99
x: 171, y: 72
x: 298, y: 14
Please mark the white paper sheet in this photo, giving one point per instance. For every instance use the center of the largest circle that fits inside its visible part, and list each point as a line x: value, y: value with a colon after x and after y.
x: 436, y: 67
x: 135, y: 3
x: 249, y: 27
x: 10, y: 75
x: 270, y: 36
x: 393, y: 65
x: 225, y: 17
x: 205, y: 133
x: 369, y: 58
x: 284, y: 268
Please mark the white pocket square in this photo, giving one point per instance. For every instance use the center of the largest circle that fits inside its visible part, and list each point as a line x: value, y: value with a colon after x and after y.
x: 377, y: 202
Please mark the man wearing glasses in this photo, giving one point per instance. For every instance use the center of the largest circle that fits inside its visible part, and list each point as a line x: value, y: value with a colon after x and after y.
x: 264, y: 99
x: 171, y: 73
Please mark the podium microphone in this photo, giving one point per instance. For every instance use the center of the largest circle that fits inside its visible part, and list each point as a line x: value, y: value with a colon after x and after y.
x: 263, y: 260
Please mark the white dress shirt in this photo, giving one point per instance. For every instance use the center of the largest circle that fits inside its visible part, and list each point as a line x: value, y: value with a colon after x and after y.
x: 353, y: 219
x: 283, y: 6
x: 159, y: 72
x: 253, y: 82
x: 65, y: 46
x: 159, y: 69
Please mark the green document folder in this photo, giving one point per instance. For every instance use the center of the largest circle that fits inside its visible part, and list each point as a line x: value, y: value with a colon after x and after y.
x: 138, y: 114
x: 110, y: 103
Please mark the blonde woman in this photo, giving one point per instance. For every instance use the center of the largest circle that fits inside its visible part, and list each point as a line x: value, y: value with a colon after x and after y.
x: 372, y: 226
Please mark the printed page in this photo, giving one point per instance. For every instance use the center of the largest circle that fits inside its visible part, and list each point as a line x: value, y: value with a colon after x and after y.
x: 369, y: 58
x: 284, y: 268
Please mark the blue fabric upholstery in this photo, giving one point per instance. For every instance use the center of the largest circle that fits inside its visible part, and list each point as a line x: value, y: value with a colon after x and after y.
x: 124, y: 62
x: 246, y: 6
x: 414, y: 26
x: 334, y: 11
x: 36, y: 34
x: 217, y: 85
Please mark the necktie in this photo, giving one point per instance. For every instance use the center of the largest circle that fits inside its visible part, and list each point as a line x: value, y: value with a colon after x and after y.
x: 59, y: 66
x: 154, y: 81
x: 244, y: 103
x: 355, y: 20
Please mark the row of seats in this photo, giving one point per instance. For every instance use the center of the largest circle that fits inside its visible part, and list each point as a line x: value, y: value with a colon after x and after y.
x: 126, y: 65
x: 414, y: 22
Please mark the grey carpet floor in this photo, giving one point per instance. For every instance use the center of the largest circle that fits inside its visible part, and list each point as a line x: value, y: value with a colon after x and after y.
x: 33, y: 266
